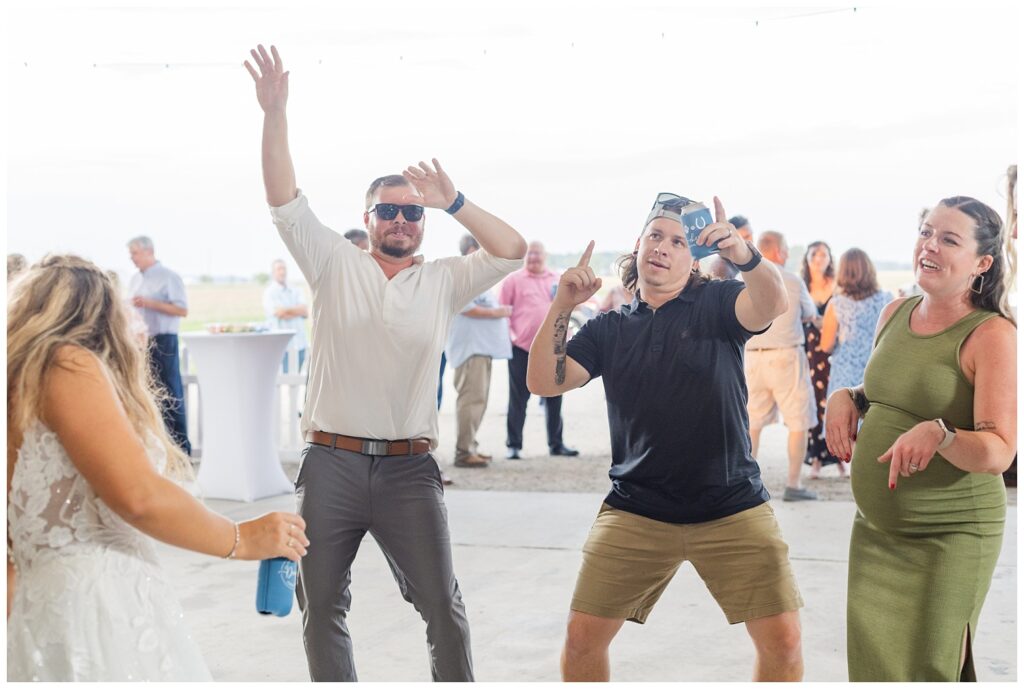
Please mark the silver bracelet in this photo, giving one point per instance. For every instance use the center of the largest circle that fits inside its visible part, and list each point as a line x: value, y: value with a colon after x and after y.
x: 238, y: 537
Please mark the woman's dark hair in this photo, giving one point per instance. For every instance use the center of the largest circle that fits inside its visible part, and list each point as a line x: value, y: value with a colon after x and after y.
x: 857, y: 279
x: 805, y: 269
x: 988, y: 232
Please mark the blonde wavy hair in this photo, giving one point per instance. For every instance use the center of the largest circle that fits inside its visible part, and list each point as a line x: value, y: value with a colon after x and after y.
x: 67, y: 300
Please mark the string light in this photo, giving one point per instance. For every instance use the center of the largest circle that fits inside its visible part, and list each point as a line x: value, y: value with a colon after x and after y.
x: 757, y: 22
x: 320, y: 61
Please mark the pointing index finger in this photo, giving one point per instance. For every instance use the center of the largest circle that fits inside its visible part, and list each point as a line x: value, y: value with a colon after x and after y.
x: 585, y: 258
x: 720, y: 215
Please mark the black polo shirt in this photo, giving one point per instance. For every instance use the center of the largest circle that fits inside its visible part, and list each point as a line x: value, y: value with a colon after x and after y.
x: 677, y: 405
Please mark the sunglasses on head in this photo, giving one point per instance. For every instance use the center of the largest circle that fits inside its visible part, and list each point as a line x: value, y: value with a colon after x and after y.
x: 389, y: 211
x: 670, y: 200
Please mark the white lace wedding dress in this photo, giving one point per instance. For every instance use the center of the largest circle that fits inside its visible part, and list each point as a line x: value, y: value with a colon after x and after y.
x: 91, y: 602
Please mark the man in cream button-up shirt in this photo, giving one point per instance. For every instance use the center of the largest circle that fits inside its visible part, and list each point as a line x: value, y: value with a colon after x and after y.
x: 371, y: 335
x: 380, y: 322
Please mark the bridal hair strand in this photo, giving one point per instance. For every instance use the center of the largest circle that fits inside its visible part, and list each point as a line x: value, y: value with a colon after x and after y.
x: 66, y: 300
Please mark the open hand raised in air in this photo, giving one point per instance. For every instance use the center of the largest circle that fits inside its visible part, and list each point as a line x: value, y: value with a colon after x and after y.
x: 433, y: 184
x: 271, y: 80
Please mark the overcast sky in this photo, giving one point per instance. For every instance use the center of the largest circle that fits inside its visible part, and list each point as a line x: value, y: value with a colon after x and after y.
x: 564, y: 119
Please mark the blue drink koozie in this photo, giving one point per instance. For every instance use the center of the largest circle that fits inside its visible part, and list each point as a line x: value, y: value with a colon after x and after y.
x: 275, y: 587
x: 695, y: 218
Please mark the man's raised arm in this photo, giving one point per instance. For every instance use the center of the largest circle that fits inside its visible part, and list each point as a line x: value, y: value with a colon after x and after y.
x: 272, y: 94
x: 436, y: 190
x: 549, y: 370
x: 764, y: 298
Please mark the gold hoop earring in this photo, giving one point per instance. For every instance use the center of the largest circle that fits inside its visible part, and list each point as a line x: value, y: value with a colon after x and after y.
x: 980, y: 279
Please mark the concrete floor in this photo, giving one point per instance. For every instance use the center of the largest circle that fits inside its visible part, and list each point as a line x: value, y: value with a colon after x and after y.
x: 516, y: 555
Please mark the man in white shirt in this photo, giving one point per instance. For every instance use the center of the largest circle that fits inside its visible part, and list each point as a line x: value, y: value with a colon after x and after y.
x: 778, y: 376
x: 285, y: 309
x: 381, y: 322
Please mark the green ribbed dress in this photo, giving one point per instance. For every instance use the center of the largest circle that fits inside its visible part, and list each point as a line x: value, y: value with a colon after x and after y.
x: 922, y: 556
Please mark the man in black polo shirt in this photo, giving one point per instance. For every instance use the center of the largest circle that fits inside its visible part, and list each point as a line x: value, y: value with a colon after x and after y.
x: 684, y: 484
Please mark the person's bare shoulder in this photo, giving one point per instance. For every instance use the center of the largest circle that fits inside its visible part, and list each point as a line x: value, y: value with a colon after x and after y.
x: 74, y: 360
x: 73, y: 375
x: 991, y: 346
x: 888, y: 310
x: 995, y: 333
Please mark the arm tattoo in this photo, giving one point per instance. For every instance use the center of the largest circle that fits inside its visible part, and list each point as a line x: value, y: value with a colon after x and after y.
x: 985, y: 426
x: 561, y: 330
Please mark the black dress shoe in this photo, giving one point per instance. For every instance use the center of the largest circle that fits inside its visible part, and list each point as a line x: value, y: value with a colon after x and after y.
x: 512, y: 453
x: 564, y: 451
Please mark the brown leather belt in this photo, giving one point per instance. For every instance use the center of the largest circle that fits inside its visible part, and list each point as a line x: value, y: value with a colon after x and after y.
x: 366, y: 446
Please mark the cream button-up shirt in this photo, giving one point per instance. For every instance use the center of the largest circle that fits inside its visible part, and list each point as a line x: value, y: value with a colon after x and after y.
x: 376, y: 343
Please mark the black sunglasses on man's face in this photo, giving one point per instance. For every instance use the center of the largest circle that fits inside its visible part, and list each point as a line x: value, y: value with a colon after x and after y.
x: 389, y: 211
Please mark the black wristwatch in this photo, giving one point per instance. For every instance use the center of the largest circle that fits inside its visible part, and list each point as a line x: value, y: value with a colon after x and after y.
x: 753, y: 262
x: 860, y: 400
x: 456, y: 204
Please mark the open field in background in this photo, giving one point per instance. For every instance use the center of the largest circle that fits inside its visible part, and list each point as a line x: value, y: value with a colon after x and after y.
x: 242, y: 302
x: 238, y: 302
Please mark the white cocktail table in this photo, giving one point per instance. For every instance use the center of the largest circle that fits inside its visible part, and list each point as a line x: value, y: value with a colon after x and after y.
x: 236, y: 374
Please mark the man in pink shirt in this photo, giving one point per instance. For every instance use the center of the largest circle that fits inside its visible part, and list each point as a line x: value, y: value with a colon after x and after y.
x: 529, y: 292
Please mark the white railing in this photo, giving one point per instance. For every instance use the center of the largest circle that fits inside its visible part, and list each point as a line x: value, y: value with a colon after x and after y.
x: 291, y: 388
x: 288, y: 400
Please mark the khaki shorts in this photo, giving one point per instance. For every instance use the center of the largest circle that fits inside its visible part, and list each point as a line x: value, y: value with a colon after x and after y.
x: 628, y: 561
x: 780, y: 380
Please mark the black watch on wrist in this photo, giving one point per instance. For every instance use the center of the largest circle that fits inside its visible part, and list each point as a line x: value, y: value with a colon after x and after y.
x: 460, y: 199
x: 753, y: 262
x: 860, y: 400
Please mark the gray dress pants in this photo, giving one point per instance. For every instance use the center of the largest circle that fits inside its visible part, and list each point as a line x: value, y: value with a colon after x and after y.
x: 400, y: 501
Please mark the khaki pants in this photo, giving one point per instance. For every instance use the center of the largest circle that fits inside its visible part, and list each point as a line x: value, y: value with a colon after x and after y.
x: 472, y: 383
x: 779, y: 380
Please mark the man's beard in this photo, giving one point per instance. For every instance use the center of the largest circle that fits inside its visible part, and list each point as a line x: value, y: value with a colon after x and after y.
x: 395, y: 252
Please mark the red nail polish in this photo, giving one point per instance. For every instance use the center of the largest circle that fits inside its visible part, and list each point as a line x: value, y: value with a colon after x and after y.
x: 892, y: 486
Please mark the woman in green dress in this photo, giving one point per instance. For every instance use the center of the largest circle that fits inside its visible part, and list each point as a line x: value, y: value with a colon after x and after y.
x: 939, y: 427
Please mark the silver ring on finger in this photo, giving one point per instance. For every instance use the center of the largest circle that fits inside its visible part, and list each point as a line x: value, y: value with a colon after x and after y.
x: 914, y: 467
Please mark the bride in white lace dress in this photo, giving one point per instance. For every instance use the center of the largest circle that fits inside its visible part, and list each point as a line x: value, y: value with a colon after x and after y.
x: 86, y: 457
